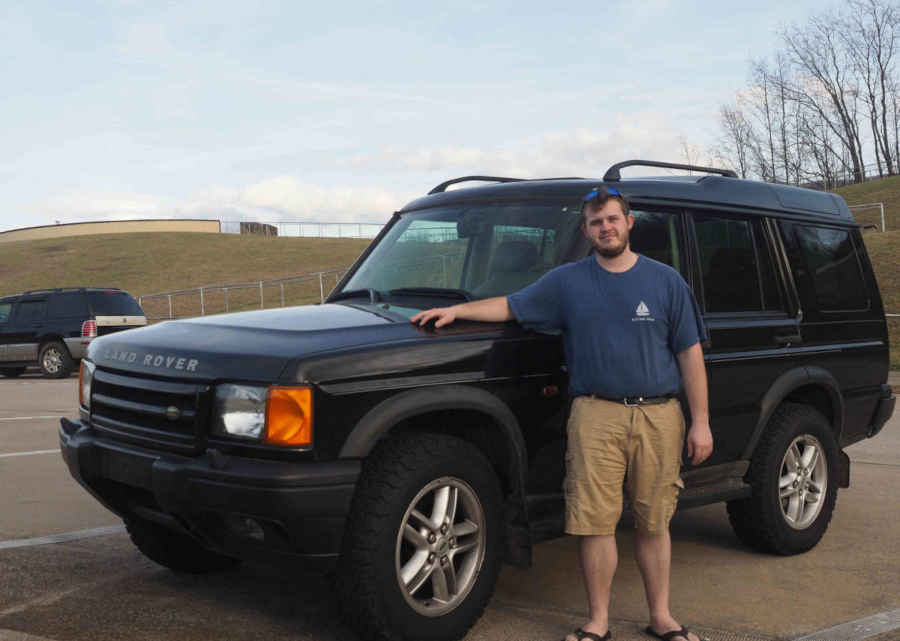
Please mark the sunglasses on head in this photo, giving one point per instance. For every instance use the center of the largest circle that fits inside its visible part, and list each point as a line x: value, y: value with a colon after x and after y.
x: 609, y: 190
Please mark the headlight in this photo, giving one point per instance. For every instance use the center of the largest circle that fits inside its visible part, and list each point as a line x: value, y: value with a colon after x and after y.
x: 240, y: 411
x: 277, y: 415
x: 85, y: 377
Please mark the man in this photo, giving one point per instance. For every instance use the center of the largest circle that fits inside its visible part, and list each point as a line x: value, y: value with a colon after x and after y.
x: 632, y: 332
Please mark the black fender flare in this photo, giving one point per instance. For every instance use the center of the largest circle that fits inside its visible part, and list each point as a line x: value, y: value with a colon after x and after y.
x: 783, y: 386
x: 379, y: 421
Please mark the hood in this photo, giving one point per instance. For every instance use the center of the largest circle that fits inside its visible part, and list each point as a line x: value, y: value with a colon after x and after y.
x: 251, y: 346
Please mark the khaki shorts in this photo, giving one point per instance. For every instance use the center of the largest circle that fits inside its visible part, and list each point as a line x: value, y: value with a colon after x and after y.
x: 612, y: 446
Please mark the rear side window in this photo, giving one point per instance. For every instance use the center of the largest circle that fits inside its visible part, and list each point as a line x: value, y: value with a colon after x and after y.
x: 68, y: 304
x: 30, y: 311
x: 736, y: 266
x: 655, y: 235
x: 833, y: 267
x: 114, y: 304
x: 5, y: 311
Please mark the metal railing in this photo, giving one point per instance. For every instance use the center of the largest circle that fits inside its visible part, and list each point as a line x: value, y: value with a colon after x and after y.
x: 302, y: 229
x: 302, y: 289
x: 878, y: 206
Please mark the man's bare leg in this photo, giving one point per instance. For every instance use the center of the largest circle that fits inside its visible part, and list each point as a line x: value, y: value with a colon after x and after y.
x: 653, y: 553
x: 599, y: 558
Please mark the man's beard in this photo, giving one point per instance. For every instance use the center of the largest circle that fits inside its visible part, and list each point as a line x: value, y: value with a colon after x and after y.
x: 613, y: 252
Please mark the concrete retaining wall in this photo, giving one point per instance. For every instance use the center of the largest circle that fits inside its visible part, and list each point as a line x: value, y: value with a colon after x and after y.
x: 110, y: 227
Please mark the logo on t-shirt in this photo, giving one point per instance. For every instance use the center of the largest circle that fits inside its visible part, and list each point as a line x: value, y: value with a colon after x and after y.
x: 642, y: 313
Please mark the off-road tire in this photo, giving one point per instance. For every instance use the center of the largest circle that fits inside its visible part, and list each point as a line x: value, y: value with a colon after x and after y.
x: 759, y: 520
x: 54, y: 360
x: 175, y: 551
x: 12, y: 372
x: 394, y: 475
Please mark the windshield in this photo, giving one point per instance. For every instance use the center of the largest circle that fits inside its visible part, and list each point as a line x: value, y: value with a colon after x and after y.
x: 481, y: 250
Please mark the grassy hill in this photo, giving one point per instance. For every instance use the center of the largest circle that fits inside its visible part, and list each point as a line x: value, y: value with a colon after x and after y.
x: 885, y: 190
x: 884, y: 251
x: 149, y: 263
x: 883, y: 248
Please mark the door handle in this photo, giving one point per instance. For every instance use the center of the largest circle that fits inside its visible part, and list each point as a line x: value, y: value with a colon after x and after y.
x: 788, y: 339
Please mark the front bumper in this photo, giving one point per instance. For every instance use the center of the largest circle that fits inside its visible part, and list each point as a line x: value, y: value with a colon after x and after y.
x: 883, y: 410
x: 294, y: 509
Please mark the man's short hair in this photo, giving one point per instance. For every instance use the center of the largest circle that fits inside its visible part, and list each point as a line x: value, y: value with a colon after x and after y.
x: 599, y: 196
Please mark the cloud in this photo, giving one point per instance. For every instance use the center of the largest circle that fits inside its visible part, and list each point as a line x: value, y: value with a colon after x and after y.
x: 280, y: 198
x: 577, y: 152
x: 287, y: 198
x: 583, y: 152
x: 82, y: 206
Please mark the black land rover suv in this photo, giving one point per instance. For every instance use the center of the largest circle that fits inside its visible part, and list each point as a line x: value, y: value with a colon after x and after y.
x: 51, y: 328
x: 423, y: 458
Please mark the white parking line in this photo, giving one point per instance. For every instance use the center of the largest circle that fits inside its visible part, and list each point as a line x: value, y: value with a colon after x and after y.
x: 62, y: 537
x: 859, y: 629
x: 30, y: 418
x: 32, y: 453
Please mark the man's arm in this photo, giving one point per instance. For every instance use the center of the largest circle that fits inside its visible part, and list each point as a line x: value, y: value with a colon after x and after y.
x: 489, y: 309
x: 693, y: 372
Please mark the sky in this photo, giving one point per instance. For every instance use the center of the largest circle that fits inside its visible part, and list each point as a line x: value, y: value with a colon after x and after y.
x: 344, y: 111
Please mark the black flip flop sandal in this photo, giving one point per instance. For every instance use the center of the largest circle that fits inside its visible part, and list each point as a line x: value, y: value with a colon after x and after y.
x: 668, y: 636
x: 581, y: 634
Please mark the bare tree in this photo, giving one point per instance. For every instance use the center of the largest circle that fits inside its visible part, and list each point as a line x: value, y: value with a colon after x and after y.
x: 829, y: 90
x: 788, y: 114
x: 810, y: 113
x: 760, y: 101
x: 736, y: 145
x: 870, y: 35
x: 818, y: 142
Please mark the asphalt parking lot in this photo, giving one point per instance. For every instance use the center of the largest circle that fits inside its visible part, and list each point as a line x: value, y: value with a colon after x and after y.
x: 69, y: 573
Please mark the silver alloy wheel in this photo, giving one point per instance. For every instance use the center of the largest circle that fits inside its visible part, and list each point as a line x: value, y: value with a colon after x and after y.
x: 440, y: 546
x: 803, y: 481
x: 52, y: 360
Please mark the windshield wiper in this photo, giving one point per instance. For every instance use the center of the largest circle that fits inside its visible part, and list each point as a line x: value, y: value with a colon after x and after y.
x: 443, y: 292
x: 373, y: 294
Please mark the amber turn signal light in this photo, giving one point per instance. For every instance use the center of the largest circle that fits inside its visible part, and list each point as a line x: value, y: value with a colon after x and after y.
x: 289, y: 416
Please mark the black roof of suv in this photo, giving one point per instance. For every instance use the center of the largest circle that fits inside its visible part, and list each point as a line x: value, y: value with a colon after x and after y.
x: 342, y: 430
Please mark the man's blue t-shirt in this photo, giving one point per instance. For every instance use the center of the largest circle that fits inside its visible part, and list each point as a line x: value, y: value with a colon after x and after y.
x: 621, y: 331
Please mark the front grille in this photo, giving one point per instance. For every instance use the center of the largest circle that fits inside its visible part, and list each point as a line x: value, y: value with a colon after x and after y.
x: 149, y: 412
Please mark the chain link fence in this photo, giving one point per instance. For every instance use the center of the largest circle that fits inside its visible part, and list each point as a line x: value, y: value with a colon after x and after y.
x: 303, y: 289
x: 299, y: 229
x: 869, y: 215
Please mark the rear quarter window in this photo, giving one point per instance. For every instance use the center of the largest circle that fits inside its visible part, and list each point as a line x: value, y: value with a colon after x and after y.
x: 68, y: 304
x: 829, y: 257
x: 114, y: 304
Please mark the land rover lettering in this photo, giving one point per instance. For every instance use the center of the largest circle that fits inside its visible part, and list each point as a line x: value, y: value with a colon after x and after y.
x: 171, y: 362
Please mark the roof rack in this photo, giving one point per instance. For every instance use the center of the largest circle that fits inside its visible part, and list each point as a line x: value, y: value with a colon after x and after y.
x: 497, y: 179
x: 66, y: 289
x: 612, y: 174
